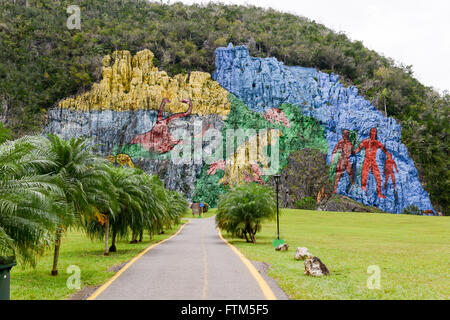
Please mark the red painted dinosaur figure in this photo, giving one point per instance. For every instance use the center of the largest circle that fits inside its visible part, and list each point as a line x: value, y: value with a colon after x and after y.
x: 159, y: 139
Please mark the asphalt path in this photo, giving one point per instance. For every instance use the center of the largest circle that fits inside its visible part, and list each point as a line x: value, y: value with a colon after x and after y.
x: 195, y: 264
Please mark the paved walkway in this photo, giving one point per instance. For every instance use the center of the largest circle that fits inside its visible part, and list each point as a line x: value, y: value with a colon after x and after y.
x: 195, y: 264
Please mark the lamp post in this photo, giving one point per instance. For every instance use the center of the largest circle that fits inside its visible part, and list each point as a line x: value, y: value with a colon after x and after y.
x: 277, y: 182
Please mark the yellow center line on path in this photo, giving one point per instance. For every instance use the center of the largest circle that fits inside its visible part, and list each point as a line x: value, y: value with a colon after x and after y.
x: 110, y: 281
x: 268, y: 293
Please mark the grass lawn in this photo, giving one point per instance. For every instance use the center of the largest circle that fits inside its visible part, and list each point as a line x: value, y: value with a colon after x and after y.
x: 76, y: 249
x: 412, y: 253
x: 210, y: 213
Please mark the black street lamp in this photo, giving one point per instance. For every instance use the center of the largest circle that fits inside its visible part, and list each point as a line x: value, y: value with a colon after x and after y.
x: 277, y: 182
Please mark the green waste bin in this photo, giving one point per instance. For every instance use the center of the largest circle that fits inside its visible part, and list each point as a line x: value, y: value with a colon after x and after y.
x: 4, y: 280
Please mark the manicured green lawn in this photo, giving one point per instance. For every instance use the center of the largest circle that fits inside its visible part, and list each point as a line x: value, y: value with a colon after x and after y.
x: 76, y: 249
x: 412, y: 252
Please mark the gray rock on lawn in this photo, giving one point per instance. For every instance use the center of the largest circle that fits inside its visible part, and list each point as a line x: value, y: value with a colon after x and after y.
x: 282, y: 247
x: 315, y: 267
x: 302, y: 253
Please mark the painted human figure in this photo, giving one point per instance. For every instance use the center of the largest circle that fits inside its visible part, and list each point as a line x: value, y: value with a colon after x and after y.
x: 370, y: 161
x: 345, y: 146
x: 389, y: 166
x: 159, y: 139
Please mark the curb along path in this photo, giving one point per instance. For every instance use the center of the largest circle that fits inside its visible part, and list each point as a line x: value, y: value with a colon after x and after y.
x: 194, y: 264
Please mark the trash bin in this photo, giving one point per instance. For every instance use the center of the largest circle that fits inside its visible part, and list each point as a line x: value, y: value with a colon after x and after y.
x: 4, y: 280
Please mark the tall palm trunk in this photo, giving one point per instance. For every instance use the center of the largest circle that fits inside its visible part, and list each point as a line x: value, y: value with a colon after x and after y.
x: 113, y: 244
x: 251, y: 232
x: 252, y: 237
x: 133, y: 237
x: 56, y: 254
x: 245, y: 235
x: 107, y: 235
x: 141, y: 234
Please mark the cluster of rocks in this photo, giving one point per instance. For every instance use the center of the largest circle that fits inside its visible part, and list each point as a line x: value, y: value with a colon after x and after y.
x: 313, y: 265
x: 282, y: 247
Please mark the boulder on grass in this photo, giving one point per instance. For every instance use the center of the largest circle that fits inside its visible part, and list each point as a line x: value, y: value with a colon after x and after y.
x: 315, y: 267
x: 302, y: 253
x: 282, y: 247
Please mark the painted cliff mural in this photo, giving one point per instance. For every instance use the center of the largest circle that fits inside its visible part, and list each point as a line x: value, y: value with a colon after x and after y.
x: 371, y: 147
x: 159, y: 139
x: 179, y: 127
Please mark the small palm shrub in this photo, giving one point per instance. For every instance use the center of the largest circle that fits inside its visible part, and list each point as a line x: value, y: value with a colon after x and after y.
x: 307, y: 203
x: 241, y: 210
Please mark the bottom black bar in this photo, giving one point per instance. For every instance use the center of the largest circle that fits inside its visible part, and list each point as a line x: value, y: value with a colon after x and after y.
x: 211, y: 309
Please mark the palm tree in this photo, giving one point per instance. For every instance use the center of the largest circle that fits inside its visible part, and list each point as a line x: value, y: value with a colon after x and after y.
x: 155, y: 203
x: 143, y: 204
x: 28, y: 200
x: 132, y: 199
x: 241, y: 210
x: 162, y: 208
x: 104, y: 200
x: 124, y: 207
x: 178, y: 206
x: 75, y: 168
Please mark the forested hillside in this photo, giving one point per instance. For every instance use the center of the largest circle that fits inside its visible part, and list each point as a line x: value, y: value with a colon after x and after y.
x: 42, y: 61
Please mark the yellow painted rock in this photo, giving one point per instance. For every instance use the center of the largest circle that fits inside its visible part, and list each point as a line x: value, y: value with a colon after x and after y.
x: 122, y: 159
x: 133, y: 83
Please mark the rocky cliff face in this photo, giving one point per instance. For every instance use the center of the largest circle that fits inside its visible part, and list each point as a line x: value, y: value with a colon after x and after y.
x: 134, y: 83
x: 125, y: 104
x: 310, y: 109
x: 268, y: 83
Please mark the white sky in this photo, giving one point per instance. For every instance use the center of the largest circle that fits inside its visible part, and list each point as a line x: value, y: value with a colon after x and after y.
x: 412, y: 32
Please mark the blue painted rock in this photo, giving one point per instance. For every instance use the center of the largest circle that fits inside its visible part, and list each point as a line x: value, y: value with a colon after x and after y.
x: 264, y: 83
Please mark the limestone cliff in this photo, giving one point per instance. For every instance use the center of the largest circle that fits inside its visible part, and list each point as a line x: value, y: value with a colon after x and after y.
x: 134, y: 83
x: 125, y: 104
x: 267, y: 83
x: 310, y: 109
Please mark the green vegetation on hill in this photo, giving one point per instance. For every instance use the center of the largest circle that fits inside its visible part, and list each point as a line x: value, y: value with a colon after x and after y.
x: 42, y: 61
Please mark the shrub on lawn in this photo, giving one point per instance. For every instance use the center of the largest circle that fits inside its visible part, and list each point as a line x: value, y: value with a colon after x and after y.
x: 241, y: 210
x: 411, y: 209
x: 307, y: 203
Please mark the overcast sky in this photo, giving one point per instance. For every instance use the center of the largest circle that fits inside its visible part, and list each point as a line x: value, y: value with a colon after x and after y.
x: 412, y: 32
